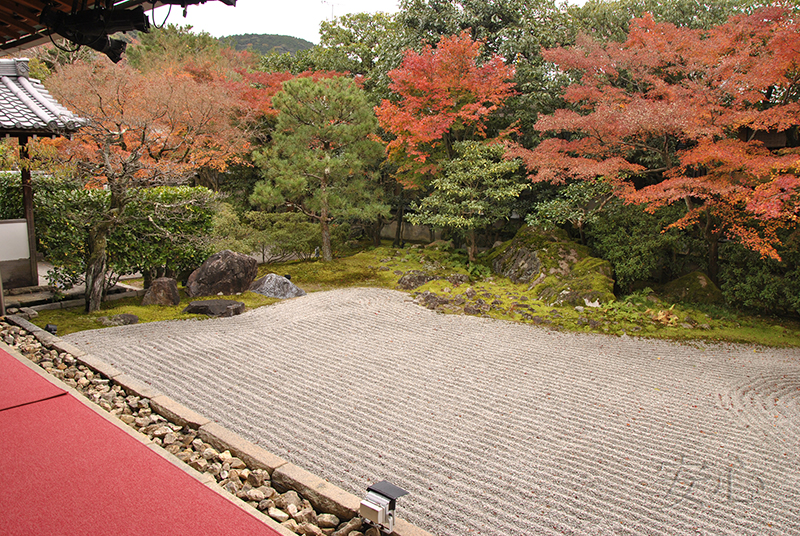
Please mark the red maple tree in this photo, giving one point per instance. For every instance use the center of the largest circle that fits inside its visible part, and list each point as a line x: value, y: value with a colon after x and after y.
x: 679, y: 115
x: 444, y: 95
x: 141, y: 130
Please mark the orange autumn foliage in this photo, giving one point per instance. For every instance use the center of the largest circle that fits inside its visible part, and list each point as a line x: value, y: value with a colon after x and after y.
x: 443, y: 95
x: 664, y: 118
x: 145, y: 128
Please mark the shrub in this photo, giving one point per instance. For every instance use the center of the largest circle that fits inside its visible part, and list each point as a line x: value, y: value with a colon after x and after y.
x: 638, y: 248
x: 765, y: 285
x: 11, y: 196
x: 161, y: 231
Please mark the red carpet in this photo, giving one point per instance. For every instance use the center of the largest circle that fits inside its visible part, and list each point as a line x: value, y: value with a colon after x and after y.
x: 20, y: 385
x: 64, y: 470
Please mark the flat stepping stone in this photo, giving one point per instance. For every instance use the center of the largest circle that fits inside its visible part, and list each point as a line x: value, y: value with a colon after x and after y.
x: 222, y: 308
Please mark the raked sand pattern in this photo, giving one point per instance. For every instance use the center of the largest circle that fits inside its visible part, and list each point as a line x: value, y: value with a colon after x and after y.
x: 494, y: 427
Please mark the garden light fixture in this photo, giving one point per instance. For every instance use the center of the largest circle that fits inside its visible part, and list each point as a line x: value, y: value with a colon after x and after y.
x: 378, y: 507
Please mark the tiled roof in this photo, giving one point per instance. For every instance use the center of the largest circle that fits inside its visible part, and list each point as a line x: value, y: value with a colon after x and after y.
x: 26, y: 107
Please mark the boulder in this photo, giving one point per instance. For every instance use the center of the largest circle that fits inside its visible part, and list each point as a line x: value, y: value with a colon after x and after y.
x: 413, y: 279
x: 225, y: 272
x: 123, y: 319
x: 222, y: 308
x: 558, y: 270
x: 695, y: 287
x: 162, y: 291
x: 275, y: 286
x: 431, y: 300
x: 457, y: 279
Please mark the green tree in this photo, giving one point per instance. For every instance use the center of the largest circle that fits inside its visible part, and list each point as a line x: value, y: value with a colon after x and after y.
x: 322, y: 158
x: 473, y: 191
x: 577, y: 204
x: 370, y: 42
x: 367, y: 45
x: 276, y: 236
x: 266, y: 43
x: 172, y: 43
x: 281, y: 236
x: 765, y: 285
x: 610, y: 20
x: 635, y: 243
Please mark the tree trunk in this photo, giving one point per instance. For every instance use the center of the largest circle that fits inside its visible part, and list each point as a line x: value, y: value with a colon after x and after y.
x: 711, y: 235
x: 327, y: 252
x: 96, y: 265
x: 472, y: 245
x: 149, y: 276
x: 398, y: 232
x: 96, y: 269
x: 324, y: 223
x: 208, y: 177
x: 376, y: 231
x: 713, y: 258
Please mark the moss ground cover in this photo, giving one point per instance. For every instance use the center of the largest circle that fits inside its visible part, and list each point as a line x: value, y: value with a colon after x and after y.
x: 641, y: 314
x: 76, y: 319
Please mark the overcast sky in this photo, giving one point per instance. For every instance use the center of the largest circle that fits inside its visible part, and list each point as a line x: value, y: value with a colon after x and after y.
x: 297, y: 18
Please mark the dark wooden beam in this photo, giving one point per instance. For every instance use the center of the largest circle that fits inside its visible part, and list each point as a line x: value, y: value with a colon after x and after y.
x: 27, y: 203
x: 21, y: 23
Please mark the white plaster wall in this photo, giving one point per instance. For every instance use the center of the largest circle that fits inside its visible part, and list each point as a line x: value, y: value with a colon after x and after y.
x: 13, y: 240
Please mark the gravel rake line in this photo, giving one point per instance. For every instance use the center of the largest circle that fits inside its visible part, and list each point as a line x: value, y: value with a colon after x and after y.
x: 494, y: 427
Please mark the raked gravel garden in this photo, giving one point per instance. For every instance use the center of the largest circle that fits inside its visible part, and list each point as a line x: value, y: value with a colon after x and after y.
x: 493, y: 427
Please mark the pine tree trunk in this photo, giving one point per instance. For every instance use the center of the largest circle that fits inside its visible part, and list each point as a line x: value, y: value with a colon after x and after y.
x: 327, y: 252
x: 96, y: 269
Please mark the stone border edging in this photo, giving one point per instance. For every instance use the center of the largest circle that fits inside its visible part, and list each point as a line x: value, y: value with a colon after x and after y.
x: 324, y: 496
x: 78, y: 302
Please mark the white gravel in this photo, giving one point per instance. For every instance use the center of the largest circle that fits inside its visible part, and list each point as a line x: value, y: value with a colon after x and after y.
x: 494, y: 427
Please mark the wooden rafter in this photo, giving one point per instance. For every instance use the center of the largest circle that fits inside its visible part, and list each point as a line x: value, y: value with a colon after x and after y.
x: 19, y: 19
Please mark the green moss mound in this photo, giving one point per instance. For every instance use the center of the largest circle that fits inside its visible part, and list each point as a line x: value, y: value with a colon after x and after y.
x: 695, y: 287
x: 558, y: 270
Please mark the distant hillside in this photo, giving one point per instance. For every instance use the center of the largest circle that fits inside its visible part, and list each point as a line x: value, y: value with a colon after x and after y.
x: 265, y: 43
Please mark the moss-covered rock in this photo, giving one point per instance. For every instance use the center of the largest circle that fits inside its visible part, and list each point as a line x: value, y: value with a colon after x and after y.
x: 558, y: 270
x: 695, y: 287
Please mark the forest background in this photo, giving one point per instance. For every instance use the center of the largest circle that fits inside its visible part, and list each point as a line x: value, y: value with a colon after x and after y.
x: 662, y: 135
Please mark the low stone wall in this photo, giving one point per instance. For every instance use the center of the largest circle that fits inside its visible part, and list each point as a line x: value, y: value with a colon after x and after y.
x: 197, y: 438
